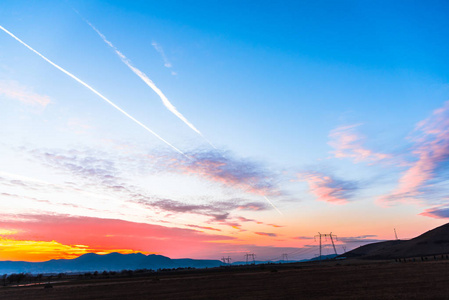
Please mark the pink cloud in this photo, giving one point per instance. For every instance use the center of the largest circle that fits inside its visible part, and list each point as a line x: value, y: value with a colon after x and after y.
x: 274, y: 225
x: 203, y: 227
x: 431, y: 147
x: 326, y: 188
x: 270, y: 234
x: 245, y: 175
x: 440, y: 212
x: 13, y: 90
x: 303, y: 238
x: 243, y: 219
x: 348, y: 144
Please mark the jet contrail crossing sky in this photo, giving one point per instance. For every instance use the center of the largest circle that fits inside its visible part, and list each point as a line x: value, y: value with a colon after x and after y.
x: 94, y: 91
x: 151, y: 84
x: 271, y: 203
x: 147, y: 80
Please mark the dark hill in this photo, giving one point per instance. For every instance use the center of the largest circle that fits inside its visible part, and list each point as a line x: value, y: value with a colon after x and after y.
x: 433, y: 242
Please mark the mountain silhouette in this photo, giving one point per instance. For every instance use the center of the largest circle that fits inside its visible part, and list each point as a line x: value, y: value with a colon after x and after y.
x: 109, y: 262
x: 432, y: 242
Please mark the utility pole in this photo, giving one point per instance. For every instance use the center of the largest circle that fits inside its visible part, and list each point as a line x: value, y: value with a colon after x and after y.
x: 395, y: 234
x: 249, y: 257
x: 285, y: 257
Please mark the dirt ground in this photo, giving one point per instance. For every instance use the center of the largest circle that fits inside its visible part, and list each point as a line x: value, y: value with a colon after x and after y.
x: 326, y: 280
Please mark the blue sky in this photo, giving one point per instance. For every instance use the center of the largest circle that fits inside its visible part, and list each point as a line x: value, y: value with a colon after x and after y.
x: 334, y: 111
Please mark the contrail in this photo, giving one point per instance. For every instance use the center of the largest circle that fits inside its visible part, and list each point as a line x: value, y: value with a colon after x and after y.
x: 147, y: 80
x: 151, y: 84
x: 271, y: 203
x: 94, y: 91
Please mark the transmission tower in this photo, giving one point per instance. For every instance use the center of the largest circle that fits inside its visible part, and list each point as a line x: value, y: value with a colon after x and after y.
x: 395, y: 234
x: 284, y: 257
x: 226, y: 260
x: 250, y: 257
x: 326, y: 235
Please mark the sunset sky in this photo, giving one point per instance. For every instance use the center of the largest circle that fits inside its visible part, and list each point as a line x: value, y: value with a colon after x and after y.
x: 204, y: 129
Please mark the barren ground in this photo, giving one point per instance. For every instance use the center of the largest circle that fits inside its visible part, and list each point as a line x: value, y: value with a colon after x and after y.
x: 349, y: 279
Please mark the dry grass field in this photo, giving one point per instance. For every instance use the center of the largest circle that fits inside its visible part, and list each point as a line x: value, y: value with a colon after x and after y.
x: 349, y: 279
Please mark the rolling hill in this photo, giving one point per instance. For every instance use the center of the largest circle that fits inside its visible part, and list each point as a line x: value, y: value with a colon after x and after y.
x: 433, y: 242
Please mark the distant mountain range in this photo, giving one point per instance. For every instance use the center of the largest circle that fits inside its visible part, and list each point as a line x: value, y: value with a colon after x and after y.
x: 92, y: 262
x: 110, y: 262
x: 433, y: 242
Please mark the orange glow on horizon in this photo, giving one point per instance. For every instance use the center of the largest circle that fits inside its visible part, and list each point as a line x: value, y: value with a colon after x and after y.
x: 37, y: 251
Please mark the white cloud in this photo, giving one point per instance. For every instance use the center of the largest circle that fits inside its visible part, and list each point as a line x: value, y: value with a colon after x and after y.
x: 13, y: 90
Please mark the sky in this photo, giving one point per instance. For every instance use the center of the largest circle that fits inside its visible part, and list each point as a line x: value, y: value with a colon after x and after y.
x: 205, y: 129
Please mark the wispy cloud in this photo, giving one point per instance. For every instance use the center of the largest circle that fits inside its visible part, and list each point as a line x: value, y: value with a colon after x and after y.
x: 243, y: 219
x: 212, y: 165
x: 327, y: 188
x: 431, y: 149
x: 14, y: 90
x: 349, y: 144
x: 368, y: 238
x: 219, y: 211
x: 203, y: 227
x: 270, y: 234
x: 91, y: 89
x: 439, y: 212
x: 105, y: 173
x: 85, y: 164
x: 303, y: 238
x: 159, y: 49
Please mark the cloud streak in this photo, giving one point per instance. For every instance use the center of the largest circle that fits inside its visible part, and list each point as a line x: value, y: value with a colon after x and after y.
x: 440, y: 212
x: 431, y: 148
x: 243, y: 219
x: 106, y: 174
x: 270, y: 234
x: 219, y: 211
x: 159, y: 49
x: 348, y: 144
x: 215, y: 166
x: 13, y: 90
x: 328, y: 189
x: 211, y: 165
x: 93, y: 90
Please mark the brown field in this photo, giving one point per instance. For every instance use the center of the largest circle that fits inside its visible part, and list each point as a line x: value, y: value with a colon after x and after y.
x: 349, y: 279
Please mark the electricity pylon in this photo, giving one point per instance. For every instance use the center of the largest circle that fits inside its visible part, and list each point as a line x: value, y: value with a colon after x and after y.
x: 226, y: 260
x: 252, y: 256
x: 325, y: 235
